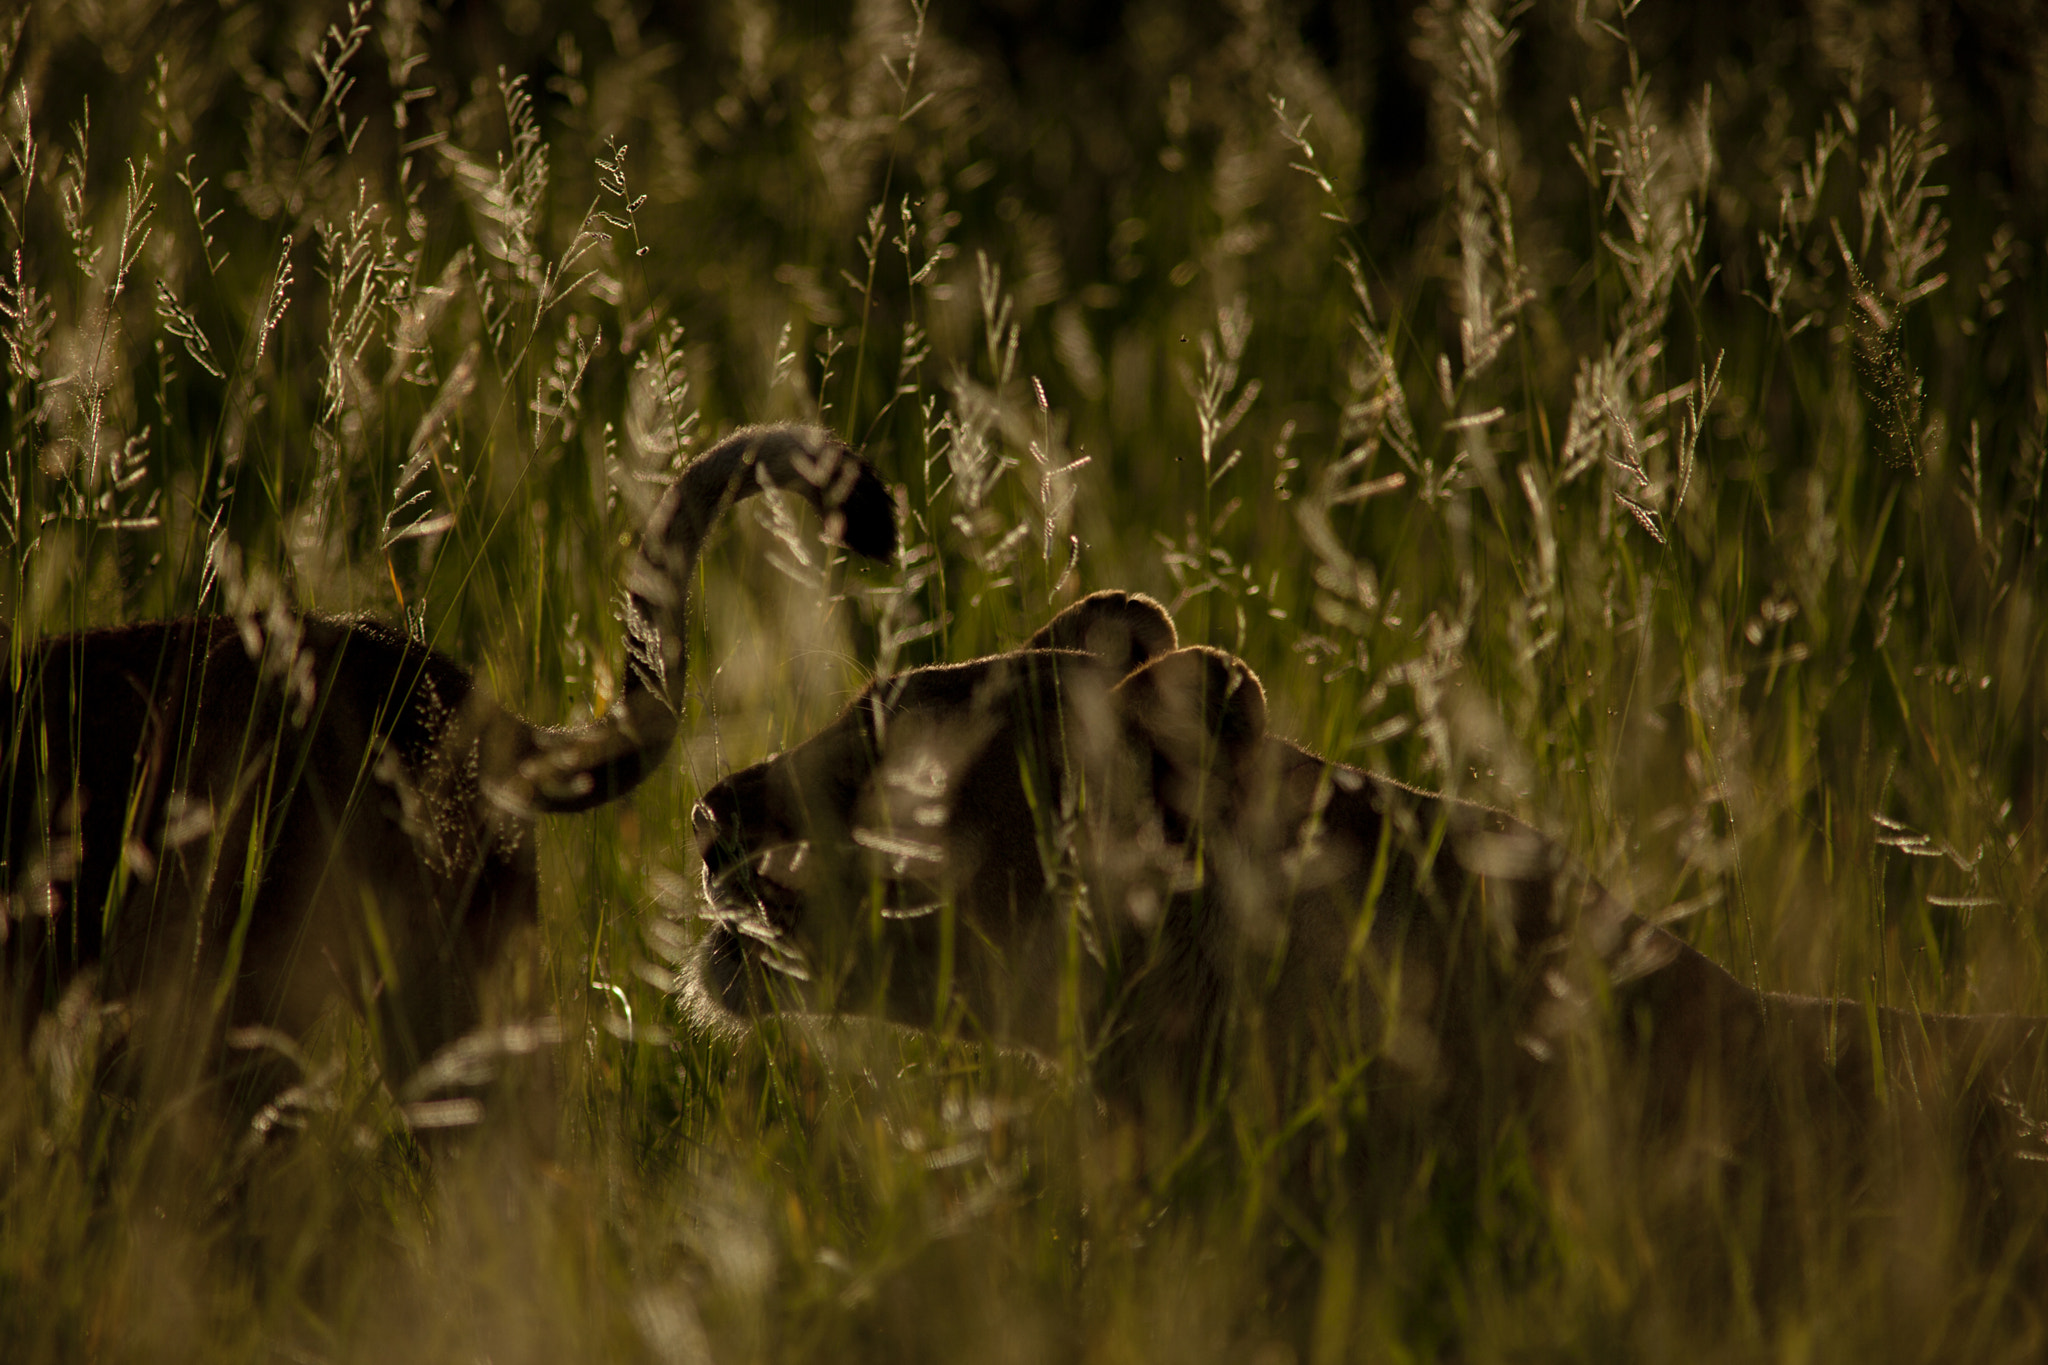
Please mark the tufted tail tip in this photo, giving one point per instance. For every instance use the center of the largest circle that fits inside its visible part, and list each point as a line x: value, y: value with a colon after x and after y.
x: 868, y: 518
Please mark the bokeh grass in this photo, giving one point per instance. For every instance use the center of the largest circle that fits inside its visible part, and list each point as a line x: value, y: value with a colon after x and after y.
x: 1633, y: 417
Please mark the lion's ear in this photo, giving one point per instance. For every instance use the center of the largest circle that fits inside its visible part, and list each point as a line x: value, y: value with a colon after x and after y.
x: 1123, y: 629
x: 1202, y: 708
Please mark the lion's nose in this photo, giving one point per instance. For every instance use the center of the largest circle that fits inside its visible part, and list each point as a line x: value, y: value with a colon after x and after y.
x: 718, y: 816
x: 718, y: 843
x: 727, y: 819
x: 717, y: 832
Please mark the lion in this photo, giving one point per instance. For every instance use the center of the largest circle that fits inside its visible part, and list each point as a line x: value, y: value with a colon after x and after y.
x: 1092, y: 849
x: 222, y: 826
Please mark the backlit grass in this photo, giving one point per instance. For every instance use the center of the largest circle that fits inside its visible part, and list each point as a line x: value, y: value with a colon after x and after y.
x: 1652, y: 450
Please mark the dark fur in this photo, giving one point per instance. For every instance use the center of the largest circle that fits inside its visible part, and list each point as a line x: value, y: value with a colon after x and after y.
x: 1240, y: 913
x: 233, y: 822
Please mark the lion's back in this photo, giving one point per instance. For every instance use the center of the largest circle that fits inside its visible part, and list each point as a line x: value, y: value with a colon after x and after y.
x: 142, y: 761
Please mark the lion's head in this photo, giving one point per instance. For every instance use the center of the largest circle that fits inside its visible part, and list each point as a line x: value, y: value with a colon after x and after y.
x: 1093, y: 841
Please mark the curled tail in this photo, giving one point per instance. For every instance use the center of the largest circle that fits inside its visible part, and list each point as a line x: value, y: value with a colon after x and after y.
x: 570, y: 770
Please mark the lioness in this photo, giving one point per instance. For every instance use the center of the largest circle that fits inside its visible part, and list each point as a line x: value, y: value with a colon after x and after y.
x: 234, y: 821
x: 1091, y: 847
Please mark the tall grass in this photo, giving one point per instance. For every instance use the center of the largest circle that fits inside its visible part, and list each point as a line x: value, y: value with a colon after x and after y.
x: 1661, y: 459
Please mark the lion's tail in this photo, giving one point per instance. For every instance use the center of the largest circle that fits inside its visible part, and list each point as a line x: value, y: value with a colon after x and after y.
x: 572, y: 770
